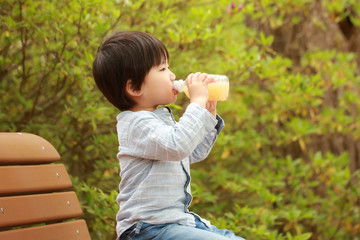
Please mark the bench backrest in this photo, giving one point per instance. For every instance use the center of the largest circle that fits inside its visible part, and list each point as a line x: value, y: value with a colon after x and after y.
x: 35, y: 200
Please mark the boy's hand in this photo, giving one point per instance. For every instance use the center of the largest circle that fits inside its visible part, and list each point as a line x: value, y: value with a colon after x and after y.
x: 197, y: 85
x: 211, y: 107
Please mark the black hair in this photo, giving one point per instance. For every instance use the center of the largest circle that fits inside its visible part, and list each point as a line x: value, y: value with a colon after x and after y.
x: 123, y: 56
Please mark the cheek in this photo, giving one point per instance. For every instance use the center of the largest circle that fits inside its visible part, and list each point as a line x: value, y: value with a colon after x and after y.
x: 164, y: 86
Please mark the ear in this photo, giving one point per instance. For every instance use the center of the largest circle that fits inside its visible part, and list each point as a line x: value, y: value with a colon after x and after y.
x: 131, y: 91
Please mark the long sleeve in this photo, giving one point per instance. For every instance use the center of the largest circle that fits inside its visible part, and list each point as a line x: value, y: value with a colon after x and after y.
x: 145, y: 135
x: 204, y: 148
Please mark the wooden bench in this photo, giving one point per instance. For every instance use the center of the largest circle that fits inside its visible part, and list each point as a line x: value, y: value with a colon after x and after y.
x: 36, y: 200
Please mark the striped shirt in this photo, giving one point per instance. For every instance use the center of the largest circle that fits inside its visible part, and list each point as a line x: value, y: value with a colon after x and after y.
x: 155, y: 153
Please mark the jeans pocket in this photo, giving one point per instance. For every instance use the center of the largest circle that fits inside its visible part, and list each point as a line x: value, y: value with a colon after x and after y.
x: 132, y: 232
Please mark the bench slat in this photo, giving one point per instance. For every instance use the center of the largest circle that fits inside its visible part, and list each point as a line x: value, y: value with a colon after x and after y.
x: 31, y: 209
x: 74, y: 230
x: 25, y: 148
x: 37, y: 178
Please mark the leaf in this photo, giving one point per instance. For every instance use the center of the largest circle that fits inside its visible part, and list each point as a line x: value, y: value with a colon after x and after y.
x: 304, y: 236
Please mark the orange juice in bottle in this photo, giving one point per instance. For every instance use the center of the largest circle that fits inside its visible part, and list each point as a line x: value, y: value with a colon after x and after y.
x: 218, y: 90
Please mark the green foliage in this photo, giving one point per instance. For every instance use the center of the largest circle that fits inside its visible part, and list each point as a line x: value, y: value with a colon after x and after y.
x: 282, y: 198
x: 285, y: 166
x: 100, y: 207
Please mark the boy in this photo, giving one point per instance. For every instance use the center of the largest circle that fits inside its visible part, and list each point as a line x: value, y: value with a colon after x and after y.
x: 155, y: 152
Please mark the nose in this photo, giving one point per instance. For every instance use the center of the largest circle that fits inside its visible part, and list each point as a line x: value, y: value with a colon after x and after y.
x: 172, y: 76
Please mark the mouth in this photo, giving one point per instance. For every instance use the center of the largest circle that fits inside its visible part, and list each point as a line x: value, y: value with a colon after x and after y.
x: 176, y: 92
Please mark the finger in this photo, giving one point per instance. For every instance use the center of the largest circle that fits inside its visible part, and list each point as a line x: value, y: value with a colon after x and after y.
x: 210, y: 79
x: 189, y: 78
x: 203, y: 77
x: 213, y: 103
x: 196, y: 75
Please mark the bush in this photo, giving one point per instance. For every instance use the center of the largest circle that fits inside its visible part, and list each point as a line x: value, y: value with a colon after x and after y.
x: 286, y: 165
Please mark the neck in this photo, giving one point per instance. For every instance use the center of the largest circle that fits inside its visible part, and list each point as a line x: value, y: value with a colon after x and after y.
x: 142, y: 108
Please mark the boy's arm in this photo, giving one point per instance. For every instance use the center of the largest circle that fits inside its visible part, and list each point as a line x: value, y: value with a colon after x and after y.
x: 148, y: 137
x: 204, y: 148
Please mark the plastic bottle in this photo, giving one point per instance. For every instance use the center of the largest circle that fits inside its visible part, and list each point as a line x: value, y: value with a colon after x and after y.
x: 218, y: 90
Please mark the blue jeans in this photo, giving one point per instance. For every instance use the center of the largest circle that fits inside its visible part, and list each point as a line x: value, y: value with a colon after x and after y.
x: 174, y: 231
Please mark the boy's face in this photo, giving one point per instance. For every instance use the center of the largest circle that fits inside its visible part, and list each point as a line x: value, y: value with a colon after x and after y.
x: 157, y: 88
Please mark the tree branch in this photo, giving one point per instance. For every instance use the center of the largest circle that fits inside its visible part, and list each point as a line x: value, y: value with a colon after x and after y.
x: 23, y: 32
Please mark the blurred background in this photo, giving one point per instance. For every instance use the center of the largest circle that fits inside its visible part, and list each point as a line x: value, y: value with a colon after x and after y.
x: 286, y: 165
